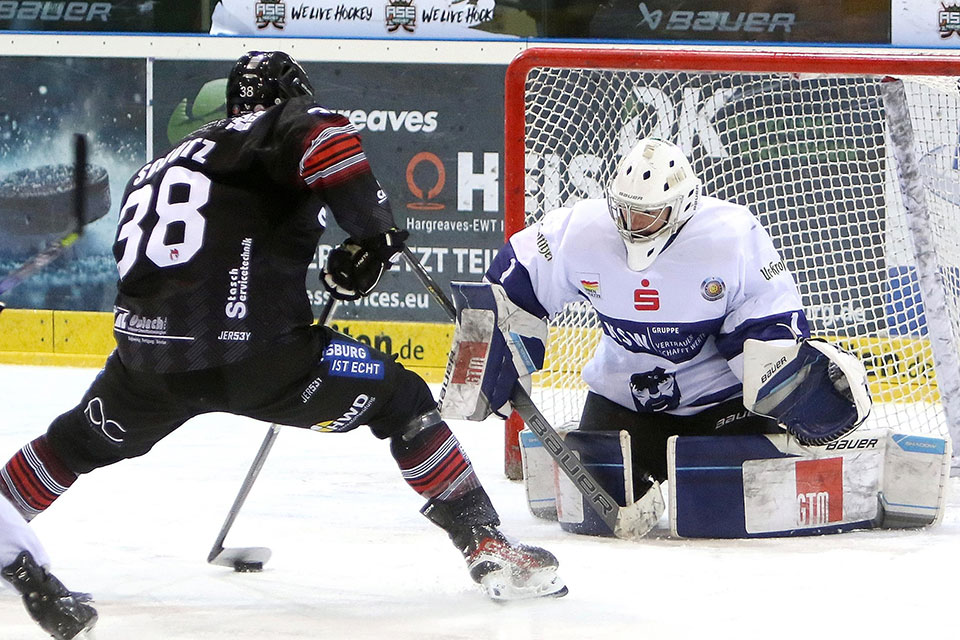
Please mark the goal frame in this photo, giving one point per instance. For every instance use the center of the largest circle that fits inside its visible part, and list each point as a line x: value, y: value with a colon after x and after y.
x: 663, y: 58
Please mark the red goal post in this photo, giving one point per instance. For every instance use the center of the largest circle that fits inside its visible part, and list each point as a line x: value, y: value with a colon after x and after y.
x: 802, y: 137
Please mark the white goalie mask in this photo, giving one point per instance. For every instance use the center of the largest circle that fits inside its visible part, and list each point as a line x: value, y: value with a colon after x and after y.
x: 653, y: 192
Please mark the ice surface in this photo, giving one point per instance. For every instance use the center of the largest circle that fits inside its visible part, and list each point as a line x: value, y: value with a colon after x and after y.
x: 353, y: 558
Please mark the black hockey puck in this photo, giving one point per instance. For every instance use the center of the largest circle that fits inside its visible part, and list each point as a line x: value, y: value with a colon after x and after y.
x: 247, y: 567
x: 40, y: 200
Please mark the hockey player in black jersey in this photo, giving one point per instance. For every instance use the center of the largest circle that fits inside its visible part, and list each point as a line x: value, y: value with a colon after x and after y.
x: 213, y: 243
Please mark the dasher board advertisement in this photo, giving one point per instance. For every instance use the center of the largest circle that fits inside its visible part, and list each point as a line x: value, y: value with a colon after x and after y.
x: 926, y: 23
x: 436, y: 153
x: 403, y: 19
x: 787, y: 21
x: 130, y: 16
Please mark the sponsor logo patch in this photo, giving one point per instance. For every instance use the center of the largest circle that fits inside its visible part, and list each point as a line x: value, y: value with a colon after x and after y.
x: 350, y: 417
x: 773, y: 269
x: 544, y: 247
x: 819, y: 491
x: 469, y: 364
x: 350, y: 360
x: 646, y: 299
x: 712, y: 289
x: 590, y: 284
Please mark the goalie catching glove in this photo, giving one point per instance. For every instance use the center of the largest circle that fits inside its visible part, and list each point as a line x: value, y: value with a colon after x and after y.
x: 496, y: 344
x: 817, y: 391
x: 354, y: 268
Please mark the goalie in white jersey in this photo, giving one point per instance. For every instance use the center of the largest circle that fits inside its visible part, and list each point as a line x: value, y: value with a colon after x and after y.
x: 680, y: 283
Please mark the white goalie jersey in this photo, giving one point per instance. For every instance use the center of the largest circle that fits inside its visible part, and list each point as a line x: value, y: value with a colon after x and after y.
x: 673, y: 333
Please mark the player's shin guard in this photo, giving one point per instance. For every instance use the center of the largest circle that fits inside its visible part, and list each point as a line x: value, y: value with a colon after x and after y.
x: 34, y: 477
x: 432, y: 461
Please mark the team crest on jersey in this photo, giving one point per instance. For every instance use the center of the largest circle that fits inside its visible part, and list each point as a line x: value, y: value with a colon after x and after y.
x: 590, y: 284
x: 655, y: 390
x: 712, y: 289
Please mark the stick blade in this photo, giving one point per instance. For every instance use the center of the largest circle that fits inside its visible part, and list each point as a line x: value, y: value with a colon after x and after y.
x: 232, y: 556
x: 638, y: 519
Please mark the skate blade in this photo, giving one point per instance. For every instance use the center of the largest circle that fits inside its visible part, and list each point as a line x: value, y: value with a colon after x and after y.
x: 87, y: 633
x: 504, y: 586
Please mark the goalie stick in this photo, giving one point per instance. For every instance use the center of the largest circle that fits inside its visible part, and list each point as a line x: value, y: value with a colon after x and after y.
x: 50, y: 253
x: 630, y: 522
x: 246, y: 559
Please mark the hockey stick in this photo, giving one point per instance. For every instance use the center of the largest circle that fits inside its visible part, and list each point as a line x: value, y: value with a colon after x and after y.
x: 633, y: 521
x: 247, y: 559
x: 49, y: 254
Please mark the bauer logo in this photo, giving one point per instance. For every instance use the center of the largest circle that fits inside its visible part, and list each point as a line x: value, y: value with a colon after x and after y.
x: 949, y: 19
x: 715, y: 21
x: 56, y: 11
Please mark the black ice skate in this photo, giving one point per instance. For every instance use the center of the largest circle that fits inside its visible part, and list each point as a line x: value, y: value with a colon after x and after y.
x: 63, y: 614
x: 508, y: 570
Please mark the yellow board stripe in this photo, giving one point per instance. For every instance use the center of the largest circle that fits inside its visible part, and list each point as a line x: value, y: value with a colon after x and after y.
x: 85, y: 338
x: 899, y: 368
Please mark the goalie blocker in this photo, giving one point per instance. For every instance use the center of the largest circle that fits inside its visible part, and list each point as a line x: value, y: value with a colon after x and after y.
x: 759, y: 485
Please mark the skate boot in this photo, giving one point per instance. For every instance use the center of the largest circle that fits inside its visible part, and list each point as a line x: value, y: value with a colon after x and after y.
x: 63, y: 614
x: 505, y: 569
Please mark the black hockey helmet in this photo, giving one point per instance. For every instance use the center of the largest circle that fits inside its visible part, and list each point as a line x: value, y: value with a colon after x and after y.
x: 264, y: 78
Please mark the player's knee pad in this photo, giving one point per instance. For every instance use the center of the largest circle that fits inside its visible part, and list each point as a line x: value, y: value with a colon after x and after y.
x: 82, y: 443
x: 408, y: 403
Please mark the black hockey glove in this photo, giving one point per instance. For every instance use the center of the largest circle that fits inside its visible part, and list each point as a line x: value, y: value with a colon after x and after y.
x: 354, y: 268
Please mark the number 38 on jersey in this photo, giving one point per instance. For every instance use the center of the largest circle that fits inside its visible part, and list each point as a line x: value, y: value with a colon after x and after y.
x: 177, y: 235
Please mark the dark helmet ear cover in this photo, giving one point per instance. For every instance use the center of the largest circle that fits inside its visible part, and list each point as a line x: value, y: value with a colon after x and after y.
x: 264, y: 78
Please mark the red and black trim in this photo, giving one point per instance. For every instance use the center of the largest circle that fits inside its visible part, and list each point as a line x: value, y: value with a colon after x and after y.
x: 34, y: 477
x: 333, y: 155
x: 434, y: 464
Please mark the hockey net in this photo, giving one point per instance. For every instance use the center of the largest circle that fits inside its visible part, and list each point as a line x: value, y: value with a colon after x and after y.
x: 850, y: 162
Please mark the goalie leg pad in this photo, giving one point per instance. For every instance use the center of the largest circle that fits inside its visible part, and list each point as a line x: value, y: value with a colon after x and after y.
x: 606, y: 454
x: 540, y: 472
x: 771, y: 486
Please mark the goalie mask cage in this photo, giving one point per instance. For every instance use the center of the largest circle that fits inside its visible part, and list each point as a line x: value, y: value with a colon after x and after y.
x: 850, y: 161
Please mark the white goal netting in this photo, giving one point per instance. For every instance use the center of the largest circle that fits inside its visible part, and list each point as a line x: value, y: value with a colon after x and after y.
x: 813, y: 156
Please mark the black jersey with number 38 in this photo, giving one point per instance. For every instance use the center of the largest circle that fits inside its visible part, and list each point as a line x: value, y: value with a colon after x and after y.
x: 215, y: 237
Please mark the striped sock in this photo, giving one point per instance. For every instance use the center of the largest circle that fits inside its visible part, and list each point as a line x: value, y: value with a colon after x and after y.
x: 434, y: 464
x: 34, y: 477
